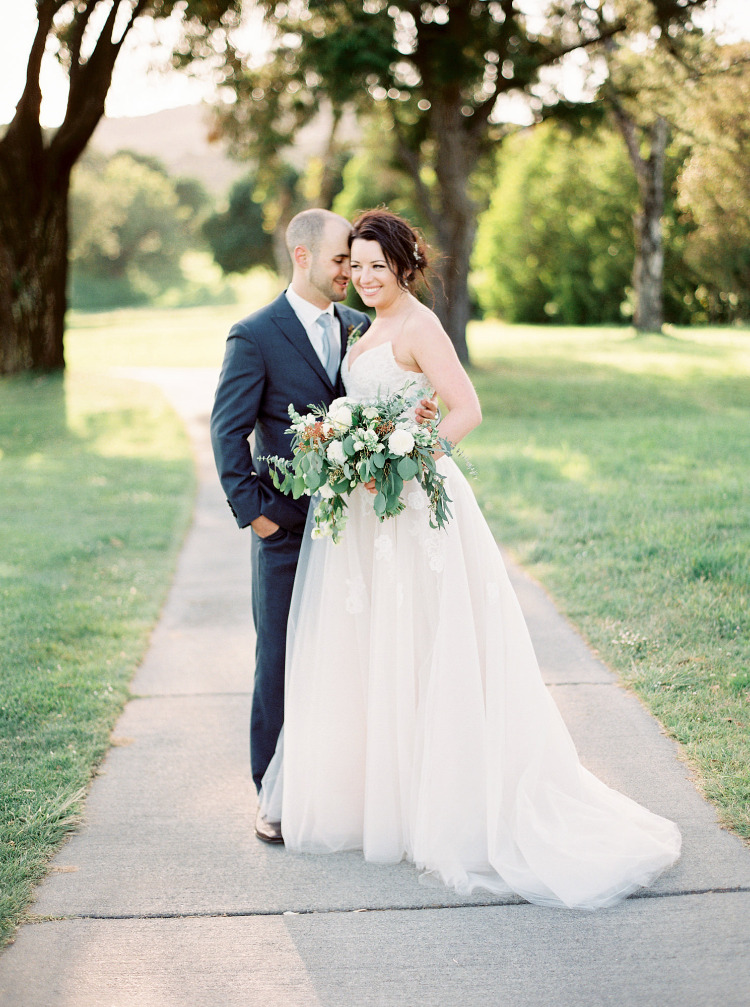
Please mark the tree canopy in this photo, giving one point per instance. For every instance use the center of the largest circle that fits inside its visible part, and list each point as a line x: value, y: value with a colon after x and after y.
x: 714, y: 188
x: 130, y: 226
x: 439, y: 72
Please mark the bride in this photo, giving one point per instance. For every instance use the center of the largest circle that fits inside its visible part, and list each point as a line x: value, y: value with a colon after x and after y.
x: 417, y: 724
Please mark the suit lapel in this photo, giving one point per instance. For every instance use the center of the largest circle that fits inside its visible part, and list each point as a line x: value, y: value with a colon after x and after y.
x: 343, y: 329
x: 292, y: 329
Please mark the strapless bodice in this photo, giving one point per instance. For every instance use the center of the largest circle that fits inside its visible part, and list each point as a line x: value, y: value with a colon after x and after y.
x: 376, y: 374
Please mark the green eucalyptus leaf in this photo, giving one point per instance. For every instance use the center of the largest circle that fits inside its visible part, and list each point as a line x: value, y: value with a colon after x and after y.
x: 407, y: 468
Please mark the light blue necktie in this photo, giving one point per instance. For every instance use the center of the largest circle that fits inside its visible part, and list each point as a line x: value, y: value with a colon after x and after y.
x: 331, y: 350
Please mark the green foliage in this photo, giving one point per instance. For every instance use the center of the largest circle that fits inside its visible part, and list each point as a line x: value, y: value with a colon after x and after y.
x: 437, y: 71
x: 556, y: 243
x: 373, y: 177
x: 130, y: 226
x: 714, y: 189
x: 236, y: 235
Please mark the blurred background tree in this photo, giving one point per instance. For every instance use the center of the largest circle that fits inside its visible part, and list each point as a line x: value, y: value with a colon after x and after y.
x: 648, y: 70
x: 440, y: 110
x: 236, y: 235
x: 714, y: 188
x: 130, y: 226
x: 556, y: 243
x: 437, y: 70
x: 35, y: 167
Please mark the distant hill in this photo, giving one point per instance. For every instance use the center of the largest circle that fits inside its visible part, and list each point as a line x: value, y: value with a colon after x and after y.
x: 179, y: 138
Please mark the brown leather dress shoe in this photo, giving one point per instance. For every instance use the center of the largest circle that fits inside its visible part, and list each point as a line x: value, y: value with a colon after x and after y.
x: 267, y: 832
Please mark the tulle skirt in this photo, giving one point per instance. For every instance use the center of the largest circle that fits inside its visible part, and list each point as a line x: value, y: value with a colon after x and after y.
x: 417, y: 724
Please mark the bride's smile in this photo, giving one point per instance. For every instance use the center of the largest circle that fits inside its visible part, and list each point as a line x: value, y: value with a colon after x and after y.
x: 373, y: 277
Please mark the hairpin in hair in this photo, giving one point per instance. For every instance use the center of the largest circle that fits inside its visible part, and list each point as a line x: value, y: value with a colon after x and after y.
x: 416, y: 252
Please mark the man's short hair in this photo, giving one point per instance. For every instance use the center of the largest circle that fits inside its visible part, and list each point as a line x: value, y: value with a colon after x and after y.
x: 306, y: 229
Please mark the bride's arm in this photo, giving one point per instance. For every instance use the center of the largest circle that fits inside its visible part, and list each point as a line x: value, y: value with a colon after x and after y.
x: 435, y: 354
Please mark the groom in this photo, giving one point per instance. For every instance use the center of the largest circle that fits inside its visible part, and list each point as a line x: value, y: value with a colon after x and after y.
x: 287, y: 352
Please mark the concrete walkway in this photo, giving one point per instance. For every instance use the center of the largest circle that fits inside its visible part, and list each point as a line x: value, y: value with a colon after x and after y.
x: 165, y: 899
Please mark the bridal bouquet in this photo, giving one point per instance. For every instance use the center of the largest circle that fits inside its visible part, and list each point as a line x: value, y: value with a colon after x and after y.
x: 350, y: 443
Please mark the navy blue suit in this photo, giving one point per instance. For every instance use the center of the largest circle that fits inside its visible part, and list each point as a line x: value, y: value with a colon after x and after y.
x: 269, y: 363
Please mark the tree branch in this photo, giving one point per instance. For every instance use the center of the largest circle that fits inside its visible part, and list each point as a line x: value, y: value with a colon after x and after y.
x: 628, y: 129
x: 27, y: 109
x: 483, y: 111
x: 410, y: 160
x: 88, y: 89
x: 77, y: 33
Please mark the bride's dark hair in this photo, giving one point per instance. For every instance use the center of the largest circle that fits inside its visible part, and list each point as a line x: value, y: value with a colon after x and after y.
x: 404, y: 247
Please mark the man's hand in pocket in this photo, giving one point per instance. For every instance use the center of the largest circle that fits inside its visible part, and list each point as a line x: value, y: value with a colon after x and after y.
x: 263, y: 526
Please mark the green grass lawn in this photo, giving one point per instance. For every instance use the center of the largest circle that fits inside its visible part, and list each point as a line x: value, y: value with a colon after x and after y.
x: 616, y: 468
x: 97, y: 482
x: 618, y: 471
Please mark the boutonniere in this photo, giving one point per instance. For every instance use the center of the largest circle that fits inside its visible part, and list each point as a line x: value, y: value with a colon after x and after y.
x: 353, y: 333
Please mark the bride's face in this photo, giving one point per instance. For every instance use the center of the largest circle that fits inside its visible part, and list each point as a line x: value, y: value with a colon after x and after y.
x: 372, y: 276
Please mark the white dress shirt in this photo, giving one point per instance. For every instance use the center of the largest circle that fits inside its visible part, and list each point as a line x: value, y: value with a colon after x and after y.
x: 308, y: 315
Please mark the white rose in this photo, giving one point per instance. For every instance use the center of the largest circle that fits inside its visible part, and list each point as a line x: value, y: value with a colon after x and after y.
x: 370, y: 412
x: 401, y: 442
x: 326, y: 491
x: 335, y: 453
x: 340, y: 414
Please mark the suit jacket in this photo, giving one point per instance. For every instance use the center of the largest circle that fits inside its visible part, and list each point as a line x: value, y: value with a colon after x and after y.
x: 269, y: 363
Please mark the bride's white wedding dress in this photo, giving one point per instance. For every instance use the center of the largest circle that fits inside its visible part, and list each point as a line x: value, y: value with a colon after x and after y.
x: 417, y: 724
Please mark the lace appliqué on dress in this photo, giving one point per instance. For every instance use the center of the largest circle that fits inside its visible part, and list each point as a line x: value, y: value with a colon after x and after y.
x: 356, y: 596
x: 384, y: 548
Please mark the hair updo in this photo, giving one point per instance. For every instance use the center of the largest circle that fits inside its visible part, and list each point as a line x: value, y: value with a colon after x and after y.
x: 404, y: 247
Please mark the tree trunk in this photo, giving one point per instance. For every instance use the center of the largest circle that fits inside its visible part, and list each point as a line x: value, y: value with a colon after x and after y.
x: 456, y: 221
x: 33, y: 274
x: 280, y: 251
x: 35, y: 181
x: 330, y: 174
x: 648, y: 269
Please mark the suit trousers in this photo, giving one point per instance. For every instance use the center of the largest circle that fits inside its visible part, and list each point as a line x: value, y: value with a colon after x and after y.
x: 274, y: 563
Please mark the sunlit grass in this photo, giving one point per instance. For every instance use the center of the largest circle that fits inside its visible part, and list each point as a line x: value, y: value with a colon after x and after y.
x: 97, y: 480
x: 162, y: 337
x: 618, y: 469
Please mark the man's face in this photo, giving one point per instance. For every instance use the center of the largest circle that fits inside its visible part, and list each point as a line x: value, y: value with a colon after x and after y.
x: 329, y: 270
